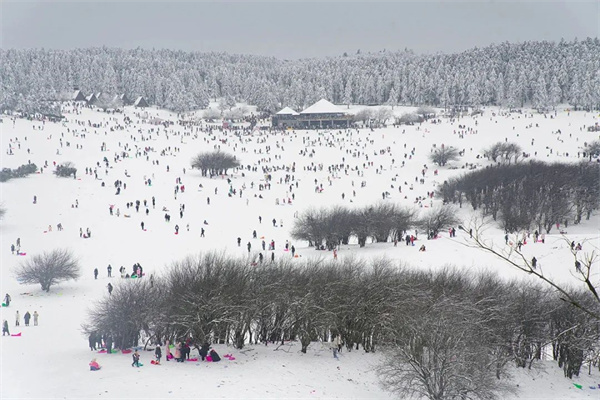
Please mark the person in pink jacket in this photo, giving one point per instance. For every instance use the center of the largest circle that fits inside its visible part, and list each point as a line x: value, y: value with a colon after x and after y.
x: 178, y: 356
x: 94, y: 366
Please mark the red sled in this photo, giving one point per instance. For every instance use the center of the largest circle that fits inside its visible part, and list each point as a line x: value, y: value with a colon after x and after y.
x: 126, y: 351
x: 153, y: 362
x: 16, y: 334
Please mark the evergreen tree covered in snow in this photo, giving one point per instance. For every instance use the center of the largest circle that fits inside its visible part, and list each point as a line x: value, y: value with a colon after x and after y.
x: 538, y: 74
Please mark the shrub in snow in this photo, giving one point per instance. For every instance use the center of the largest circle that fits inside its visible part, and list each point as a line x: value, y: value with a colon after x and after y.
x: 593, y: 149
x: 211, y: 114
x: 20, y: 172
x: 426, y: 112
x: 410, y: 119
x: 48, y: 268
x: 66, y: 170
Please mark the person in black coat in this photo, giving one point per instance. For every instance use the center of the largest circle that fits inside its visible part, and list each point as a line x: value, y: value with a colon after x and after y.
x: 204, y: 351
x: 158, y: 353
x: 27, y: 317
x: 109, y: 344
x: 215, y: 357
x: 92, y: 341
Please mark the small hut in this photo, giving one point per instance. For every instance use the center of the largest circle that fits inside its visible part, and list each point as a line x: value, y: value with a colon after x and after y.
x: 78, y: 96
x: 91, y: 99
x: 140, y: 102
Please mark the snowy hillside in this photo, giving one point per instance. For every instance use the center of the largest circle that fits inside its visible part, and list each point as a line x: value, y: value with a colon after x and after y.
x: 51, y: 360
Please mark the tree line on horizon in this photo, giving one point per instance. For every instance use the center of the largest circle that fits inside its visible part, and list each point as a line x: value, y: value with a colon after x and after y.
x: 538, y: 74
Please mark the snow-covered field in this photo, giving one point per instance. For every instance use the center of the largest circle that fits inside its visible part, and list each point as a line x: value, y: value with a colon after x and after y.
x: 51, y: 360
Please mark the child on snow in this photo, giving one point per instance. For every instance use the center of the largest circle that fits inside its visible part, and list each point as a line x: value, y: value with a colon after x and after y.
x: 94, y: 366
x: 136, y: 359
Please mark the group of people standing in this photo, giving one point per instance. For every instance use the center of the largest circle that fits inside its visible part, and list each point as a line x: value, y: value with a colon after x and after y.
x: 26, y: 318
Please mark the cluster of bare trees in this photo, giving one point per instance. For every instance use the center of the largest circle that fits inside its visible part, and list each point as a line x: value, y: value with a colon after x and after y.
x: 214, y: 163
x: 327, y: 228
x: 529, y: 195
x: 504, y: 152
x: 447, y: 331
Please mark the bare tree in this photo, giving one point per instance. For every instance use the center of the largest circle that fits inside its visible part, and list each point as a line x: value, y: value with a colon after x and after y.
x: 503, y: 151
x: 131, y: 312
x: 49, y: 268
x: 441, y: 352
x: 443, y: 155
x: 584, y: 262
x: 215, y: 163
x: 436, y: 219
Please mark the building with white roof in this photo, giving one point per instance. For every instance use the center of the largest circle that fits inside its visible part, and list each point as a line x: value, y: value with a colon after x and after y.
x: 322, y: 114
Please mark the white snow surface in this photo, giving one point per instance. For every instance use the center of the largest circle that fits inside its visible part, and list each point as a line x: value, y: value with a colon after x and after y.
x: 51, y: 360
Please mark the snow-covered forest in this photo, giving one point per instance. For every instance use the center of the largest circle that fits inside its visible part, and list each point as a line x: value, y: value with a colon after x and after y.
x: 537, y: 74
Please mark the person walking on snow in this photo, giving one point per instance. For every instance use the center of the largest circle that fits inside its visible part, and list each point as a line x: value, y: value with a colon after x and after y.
x: 5, y: 330
x: 109, y: 269
x: 27, y: 317
x: 7, y: 300
x: 158, y: 353
x: 17, y: 319
x: 110, y: 288
x: 95, y: 273
x: 136, y: 359
x: 35, y: 318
